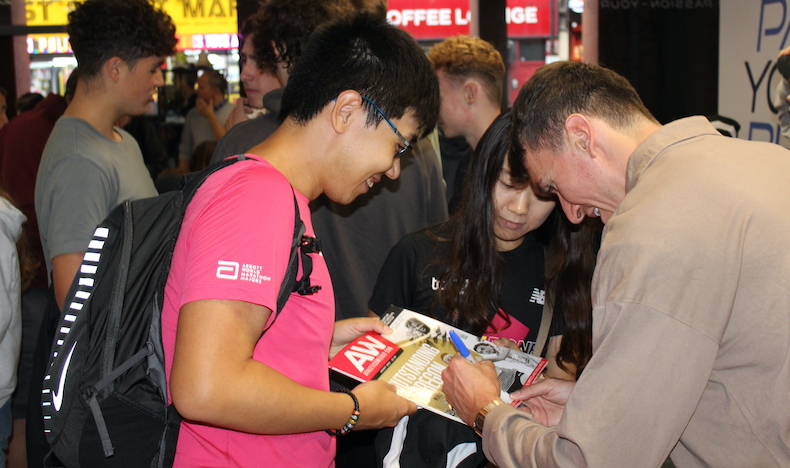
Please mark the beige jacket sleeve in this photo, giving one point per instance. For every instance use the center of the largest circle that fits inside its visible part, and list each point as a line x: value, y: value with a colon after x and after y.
x: 628, y: 409
x: 512, y: 438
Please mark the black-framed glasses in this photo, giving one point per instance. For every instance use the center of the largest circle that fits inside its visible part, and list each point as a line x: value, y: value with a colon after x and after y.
x: 406, y: 147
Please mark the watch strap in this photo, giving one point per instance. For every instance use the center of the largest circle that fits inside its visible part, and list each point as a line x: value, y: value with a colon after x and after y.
x: 481, y: 415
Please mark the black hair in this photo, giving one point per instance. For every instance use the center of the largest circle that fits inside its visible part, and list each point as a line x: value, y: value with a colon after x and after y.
x: 28, y: 101
x: 570, y: 262
x: 288, y: 25
x: 217, y: 80
x: 366, y: 54
x: 560, y: 89
x: 130, y: 29
x: 473, y: 254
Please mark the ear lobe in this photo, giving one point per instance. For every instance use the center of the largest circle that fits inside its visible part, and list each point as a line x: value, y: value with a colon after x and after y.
x: 343, y: 110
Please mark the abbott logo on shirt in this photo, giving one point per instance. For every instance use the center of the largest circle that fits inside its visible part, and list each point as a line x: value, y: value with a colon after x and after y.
x: 227, y: 270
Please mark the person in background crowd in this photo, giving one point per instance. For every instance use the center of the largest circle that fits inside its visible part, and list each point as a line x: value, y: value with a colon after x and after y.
x: 285, y: 25
x: 471, y: 73
x: 690, y: 303
x: 257, y: 80
x: 206, y: 122
x: 21, y: 148
x: 89, y: 165
x: 15, y: 274
x: 27, y: 102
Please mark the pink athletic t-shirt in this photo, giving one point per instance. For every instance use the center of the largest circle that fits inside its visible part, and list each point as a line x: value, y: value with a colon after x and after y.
x: 234, y: 245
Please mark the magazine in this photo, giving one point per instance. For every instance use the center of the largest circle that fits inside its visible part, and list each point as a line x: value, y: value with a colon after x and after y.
x: 414, y: 355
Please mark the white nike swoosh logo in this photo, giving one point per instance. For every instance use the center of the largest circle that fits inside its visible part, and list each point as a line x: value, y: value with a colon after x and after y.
x: 57, y: 397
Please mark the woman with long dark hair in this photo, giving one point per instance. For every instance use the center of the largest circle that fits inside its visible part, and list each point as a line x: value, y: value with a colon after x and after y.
x: 485, y: 271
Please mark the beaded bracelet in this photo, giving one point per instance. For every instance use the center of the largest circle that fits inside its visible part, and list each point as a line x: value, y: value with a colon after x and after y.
x: 352, y: 421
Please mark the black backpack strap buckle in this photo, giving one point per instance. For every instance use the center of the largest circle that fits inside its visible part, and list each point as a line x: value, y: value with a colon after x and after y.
x: 307, y: 245
x: 310, y: 244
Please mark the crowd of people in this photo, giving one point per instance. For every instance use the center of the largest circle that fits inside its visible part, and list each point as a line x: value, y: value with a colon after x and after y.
x: 639, y: 259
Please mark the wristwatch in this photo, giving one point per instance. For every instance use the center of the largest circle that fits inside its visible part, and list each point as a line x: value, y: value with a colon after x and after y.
x: 481, y: 415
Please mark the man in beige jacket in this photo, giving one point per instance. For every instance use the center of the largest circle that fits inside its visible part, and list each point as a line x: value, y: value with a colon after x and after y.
x: 691, y: 294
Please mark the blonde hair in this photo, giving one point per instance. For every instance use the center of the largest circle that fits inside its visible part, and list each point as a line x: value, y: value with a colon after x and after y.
x: 466, y: 56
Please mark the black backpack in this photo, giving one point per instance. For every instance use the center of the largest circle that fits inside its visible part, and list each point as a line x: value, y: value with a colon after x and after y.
x: 104, y: 397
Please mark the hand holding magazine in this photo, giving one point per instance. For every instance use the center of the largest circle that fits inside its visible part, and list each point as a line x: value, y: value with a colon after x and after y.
x: 414, y: 355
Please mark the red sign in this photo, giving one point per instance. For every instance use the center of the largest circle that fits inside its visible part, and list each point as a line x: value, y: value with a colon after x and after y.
x: 437, y: 19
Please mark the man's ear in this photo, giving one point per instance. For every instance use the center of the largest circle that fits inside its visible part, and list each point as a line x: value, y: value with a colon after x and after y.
x: 471, y: 91
x: 114, y: 67
x: 342, y: 114
x: 579, y: 132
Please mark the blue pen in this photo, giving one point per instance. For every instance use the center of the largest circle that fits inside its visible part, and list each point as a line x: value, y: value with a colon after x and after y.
x: 461, y: 347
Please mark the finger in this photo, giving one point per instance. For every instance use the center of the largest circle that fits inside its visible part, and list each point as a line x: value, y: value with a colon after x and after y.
x: 539, y: 388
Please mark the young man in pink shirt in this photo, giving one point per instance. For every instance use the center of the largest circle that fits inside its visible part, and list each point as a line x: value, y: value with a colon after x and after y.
x: 361, y: 93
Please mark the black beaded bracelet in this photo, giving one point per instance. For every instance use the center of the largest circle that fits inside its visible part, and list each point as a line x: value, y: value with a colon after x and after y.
x: 352, y: 421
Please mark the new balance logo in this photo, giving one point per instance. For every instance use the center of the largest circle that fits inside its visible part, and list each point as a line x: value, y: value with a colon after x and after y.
x: 538, y: 296
x: 227, y: 270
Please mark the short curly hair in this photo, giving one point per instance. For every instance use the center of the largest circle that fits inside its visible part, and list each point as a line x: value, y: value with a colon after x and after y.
x: 129, y: 29
x: 466, y: 56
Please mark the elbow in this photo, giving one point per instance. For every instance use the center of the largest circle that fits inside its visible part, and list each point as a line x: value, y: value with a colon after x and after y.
x: 195, y: 400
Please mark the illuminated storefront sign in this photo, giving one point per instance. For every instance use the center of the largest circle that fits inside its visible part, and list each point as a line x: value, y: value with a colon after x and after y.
x: 48, y: 44
x: 200, y: 24
x: 437, y: 19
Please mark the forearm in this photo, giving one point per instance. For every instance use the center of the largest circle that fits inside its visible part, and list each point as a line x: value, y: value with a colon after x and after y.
x: 215, y: 380
x: 512, y: 438
x: 217, y: 128
x: 64, y: 269
x: 257, y: 399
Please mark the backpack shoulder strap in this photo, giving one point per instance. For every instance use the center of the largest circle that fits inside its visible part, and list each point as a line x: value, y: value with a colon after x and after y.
x: 289, y: 284
x: 193, y: 181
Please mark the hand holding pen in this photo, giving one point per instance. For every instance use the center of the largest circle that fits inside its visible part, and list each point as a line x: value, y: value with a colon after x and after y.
x: 469, y: 388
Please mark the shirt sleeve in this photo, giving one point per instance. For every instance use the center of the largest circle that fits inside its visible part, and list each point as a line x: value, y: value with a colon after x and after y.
x: 80, y: 197
x: 239, y: 246
x: 624, y: 411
